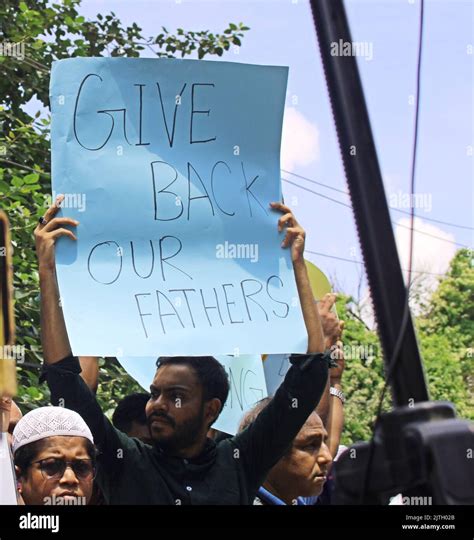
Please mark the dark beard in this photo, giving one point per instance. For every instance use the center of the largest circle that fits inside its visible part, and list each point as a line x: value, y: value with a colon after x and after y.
x: 184, y: 435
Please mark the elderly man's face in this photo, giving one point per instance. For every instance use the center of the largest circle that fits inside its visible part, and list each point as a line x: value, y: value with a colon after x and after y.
x: 43, y: 482
x: 302, y: 472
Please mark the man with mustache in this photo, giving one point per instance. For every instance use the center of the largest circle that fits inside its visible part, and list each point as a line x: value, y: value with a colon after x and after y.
x: 184, y: 466
x: 302, y: 471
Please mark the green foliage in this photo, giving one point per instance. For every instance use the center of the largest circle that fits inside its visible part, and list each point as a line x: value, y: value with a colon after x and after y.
x: 445, y: 375
x: 114, y: 385
x: 51, y: 31
x: 447, y: 335
x: 54, y: 31
x: 451, y: 308
x: 363, y: 377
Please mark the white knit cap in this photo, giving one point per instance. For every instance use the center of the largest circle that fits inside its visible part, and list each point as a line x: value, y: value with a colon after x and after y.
x: 49, y: 422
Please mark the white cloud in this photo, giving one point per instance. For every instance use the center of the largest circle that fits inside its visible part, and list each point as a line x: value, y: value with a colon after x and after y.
x: 300, y: 141
x: 429, y: 254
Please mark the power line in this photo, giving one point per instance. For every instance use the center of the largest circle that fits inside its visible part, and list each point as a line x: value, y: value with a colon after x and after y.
x: 432, y: 235
x: 315, y: 182
x: 394, y: 222
x: 354, y: 261
x: 344, y: 192
x: 433, y: 219
x: 316, y: 193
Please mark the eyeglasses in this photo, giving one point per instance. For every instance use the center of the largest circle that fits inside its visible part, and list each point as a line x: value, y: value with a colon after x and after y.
x: 55, y: 467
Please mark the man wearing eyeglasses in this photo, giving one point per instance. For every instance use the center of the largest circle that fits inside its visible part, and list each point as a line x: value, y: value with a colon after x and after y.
x: 55, y: 457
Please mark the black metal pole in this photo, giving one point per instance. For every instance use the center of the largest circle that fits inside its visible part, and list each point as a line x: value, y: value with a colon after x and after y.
x: 370, y: 206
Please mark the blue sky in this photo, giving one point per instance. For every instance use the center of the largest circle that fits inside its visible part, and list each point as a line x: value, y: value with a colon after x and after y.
x: 282, y: 33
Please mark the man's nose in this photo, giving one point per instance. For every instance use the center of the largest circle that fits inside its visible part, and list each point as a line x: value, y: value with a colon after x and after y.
x: 69, y: 476
x: 160, y: 404
x: 324, y: 456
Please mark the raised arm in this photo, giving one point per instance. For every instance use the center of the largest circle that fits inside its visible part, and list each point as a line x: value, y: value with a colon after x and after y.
x: 336, y: 409
x: 62, y: 371
x: 295, y: 238
x: 90, y: 371
x: 266, y: 439
x: 332, y: 330
x: 54, y: 336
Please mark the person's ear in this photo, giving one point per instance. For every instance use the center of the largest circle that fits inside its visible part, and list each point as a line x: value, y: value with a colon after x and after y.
x: 18, y: 478
x: 213, y: 408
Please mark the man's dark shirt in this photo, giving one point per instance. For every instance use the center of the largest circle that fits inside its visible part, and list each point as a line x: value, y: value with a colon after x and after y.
x: 230, y: 472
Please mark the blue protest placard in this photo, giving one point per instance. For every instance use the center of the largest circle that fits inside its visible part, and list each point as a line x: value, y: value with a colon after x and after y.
x: 246, y: 388
x: 275, y: 367
x: 246, y: 385
x: 170, y: 166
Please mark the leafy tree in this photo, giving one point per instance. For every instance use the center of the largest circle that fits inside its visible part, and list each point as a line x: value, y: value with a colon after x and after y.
x: 446, y: 329
x: 444, y: 374
x: 363, y: 378
x: 445, y: 335
x: 451, y: 308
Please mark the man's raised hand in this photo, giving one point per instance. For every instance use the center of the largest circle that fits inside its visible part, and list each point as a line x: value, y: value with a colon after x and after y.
x: 295, y: 234
x: 48, y: 231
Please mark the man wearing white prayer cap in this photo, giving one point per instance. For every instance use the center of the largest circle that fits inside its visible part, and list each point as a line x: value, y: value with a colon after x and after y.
x: 55, y: 457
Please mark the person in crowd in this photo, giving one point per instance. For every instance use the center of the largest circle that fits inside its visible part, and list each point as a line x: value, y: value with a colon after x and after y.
x: 332, y: 330
x: 130, y: 418
x: 10, y: 414
x: 335, y: 422
x: 187, y: 395
x: 54, y: 456
x: 303, y: 476
x: 302, y: 471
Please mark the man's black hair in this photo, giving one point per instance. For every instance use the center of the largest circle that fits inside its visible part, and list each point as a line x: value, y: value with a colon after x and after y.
x: 130, y: 409
x: 210, y: 372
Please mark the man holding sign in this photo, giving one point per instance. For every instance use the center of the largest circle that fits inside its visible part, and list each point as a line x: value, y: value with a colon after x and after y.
x: 177, y: 253
x: 187, y: 395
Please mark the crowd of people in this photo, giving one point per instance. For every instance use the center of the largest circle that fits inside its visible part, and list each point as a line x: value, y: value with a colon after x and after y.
x: 160, y: 447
